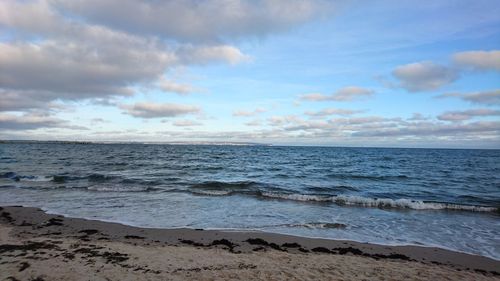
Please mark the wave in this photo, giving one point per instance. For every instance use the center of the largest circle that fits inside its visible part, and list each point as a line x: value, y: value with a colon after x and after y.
x: 321, y: 225
x: 98, y: 178
x: 94, y: 179
x: 332, y: 188
x: 381, y: 202
x: 63, y: 178
x: 122, y: 188
x: 229, y: 188
x: 310, y: 225
x: 15, y: 177
x: 368, y: 177
x: 92, y: 182
x: 220, y: 184
x: 217, y: 188
x: 8, y: 175
x: 211, y: 192
x: 261, y: 190
x: 105, y: 183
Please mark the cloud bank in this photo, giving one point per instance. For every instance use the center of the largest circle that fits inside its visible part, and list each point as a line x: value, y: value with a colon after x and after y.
x: 80, y: 50
x: 195, y: 21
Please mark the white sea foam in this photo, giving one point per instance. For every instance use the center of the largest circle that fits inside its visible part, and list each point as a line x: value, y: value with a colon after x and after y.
x: 211, y: 192
x: 313, y: 225
x: 119, y: 188
x: 297, y: 197
x: 380, y: 202
x: 38, y: 179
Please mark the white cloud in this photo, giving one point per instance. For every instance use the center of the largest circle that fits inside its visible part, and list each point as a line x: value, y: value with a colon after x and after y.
x: 59, y: 70
x: 171, y: 86
x: 195, y: 21
x: 282, y: 120
x: 25, y: 101
x: 32, y: 16
x: 479, y: 60
x: 344, y: 94
x: 332, y: 111
x: 382, y: 129
x: 246, y: 113
x: 456, y: 116
x: 158, y: 110
x: 418, y: 117
x: 375, y: 130
x: 186, y: 123
x: 361, y: 120
x: 436, y: 130
x: 424, y: 76
x: 491, y: 97
x: 33, y: 121
x: 209, y: 54
x: 351, y: 93
x: 428, y: 76
x: 74, y: 59
x: 95, y: 121
x: 254, y: 123
x: 315, y: 97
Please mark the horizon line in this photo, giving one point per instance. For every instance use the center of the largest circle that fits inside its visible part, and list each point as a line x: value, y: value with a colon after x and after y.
x: 232, y: 143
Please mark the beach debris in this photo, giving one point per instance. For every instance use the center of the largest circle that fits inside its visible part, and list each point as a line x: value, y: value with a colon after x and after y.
x: 224, y: 242
x: 134, y: 237
x: 290, y: 245
x: 23, y: 266
x: 30, y: 246
x: 7, y: 216
x: 89, y: 231
x: 262, y: 242
x: 53, y: 222
x: 191, y: 242
x: 321, y: 250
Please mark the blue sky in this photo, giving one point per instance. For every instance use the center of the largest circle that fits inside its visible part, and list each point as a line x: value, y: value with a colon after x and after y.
x: 350, y: 73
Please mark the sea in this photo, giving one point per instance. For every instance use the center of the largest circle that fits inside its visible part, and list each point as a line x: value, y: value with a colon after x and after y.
x: 449, y: 198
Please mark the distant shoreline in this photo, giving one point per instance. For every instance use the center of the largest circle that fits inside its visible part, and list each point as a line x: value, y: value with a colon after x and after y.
x: 51, y: 233
x: 222, y: 143
x: 133, y: 142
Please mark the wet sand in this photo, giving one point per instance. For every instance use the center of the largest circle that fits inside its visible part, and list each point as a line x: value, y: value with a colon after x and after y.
x: 34, y: 245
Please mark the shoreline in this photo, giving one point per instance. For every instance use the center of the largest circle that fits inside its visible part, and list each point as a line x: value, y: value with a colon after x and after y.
x: 251, y: 230
x: 33, y: 239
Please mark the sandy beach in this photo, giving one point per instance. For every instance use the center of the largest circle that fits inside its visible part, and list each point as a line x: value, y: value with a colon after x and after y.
x: 39, y: 246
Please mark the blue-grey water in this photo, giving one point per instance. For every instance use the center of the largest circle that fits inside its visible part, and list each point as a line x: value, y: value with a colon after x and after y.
x: 431, y: 197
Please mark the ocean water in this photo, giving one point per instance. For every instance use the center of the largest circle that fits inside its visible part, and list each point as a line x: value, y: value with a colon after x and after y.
x: 430, y: 197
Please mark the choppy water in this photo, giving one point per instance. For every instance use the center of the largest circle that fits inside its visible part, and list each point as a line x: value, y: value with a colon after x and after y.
x: 433, y: 197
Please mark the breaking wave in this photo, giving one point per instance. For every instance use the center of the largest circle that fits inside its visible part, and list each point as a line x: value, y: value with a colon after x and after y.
x: 122, y: 188
x: 381, y: 202
x: 218, y: 185
x: 261, y: 190
x: 321, y: 225
x: 111, y: 183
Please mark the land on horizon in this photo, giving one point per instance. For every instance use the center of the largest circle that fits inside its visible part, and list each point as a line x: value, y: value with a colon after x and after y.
x: 237, y: 143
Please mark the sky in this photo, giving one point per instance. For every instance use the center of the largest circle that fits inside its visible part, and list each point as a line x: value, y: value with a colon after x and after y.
x: 285, y: 72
